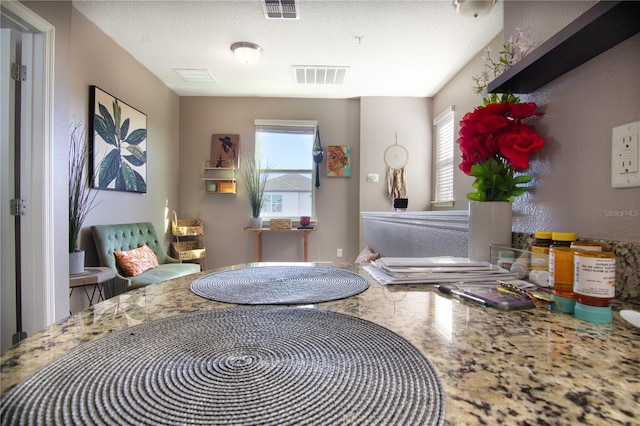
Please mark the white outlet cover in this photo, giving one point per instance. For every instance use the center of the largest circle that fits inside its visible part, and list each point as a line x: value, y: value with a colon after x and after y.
x: 625, y: 155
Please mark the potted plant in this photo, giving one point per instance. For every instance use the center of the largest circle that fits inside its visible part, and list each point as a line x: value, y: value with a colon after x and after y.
x: 81, y: 198
x: 256, y: 183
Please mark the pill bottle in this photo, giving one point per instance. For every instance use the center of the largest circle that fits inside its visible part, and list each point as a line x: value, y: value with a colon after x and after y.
x: 540, y: 250
x: 561, y: 271
x: 594, y: 285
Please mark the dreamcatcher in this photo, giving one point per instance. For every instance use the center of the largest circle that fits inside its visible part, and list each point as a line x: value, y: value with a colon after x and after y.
x: 317, y: 156
x: 396, y: 157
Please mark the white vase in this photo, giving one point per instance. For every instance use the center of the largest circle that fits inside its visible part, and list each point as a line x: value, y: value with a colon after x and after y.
x: 76, y: 262
x: 255, y: 223
x: 489, y: 223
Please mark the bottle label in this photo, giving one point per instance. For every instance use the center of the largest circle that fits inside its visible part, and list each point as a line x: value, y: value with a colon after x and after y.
x: 595, y: 277
x: 552, y: 268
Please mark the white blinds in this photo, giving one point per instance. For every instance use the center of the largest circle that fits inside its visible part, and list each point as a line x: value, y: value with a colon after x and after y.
x: 444, y: 155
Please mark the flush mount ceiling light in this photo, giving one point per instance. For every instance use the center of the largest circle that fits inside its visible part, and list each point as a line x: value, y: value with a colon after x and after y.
x: 247, y: 53
x: 473, y: 8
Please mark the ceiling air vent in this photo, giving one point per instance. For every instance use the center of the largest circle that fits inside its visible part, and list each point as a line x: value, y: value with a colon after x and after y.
x: 312, y: 74
x: 280, y: 9
x: 195, y: 75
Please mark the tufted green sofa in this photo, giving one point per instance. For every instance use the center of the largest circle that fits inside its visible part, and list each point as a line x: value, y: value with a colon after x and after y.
x: 128, y: 236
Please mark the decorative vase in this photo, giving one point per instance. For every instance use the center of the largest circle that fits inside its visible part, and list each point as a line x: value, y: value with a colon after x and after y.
x: 489, y: 223
x: 255, y: 223
x: 76, y: 262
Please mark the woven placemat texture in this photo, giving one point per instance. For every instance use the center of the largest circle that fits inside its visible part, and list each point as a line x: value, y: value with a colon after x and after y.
x: 279, y: 284
x: 238, y: 366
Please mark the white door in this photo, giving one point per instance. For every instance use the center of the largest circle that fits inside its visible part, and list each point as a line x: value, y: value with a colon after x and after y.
x: 7, y: 238
x: 26, y: 39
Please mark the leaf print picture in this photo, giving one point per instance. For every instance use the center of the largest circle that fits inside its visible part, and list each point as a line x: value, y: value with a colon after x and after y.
x: 119, y: 131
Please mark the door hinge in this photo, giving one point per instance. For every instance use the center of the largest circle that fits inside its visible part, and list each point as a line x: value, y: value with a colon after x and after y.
x: 18, y: 72
x: 18, y: 207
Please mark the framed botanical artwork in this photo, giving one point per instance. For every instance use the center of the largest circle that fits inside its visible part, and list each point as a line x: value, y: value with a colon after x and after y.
x: 118, y: 135
x: 224, y: 150
x: 338, y: 161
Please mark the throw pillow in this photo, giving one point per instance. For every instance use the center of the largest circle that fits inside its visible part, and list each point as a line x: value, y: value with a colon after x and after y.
x: 136, y: 261
x: 367, y: 255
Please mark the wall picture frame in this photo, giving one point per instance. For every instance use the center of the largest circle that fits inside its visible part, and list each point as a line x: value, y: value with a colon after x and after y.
x: 338, y: 161
x: 225, y: 148
x: 118, y: 143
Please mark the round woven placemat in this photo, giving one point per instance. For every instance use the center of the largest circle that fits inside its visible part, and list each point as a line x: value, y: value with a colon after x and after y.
x: 279, y: 284
x: 237, y: 366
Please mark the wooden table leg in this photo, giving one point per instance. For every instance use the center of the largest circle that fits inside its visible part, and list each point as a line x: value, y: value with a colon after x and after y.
x: 304, y: 239
x: 256, y: 246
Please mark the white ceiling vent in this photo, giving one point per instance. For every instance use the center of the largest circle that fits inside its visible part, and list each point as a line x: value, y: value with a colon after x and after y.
x: 312, y: 74
x: 195, y: 75
x: 280, y: 9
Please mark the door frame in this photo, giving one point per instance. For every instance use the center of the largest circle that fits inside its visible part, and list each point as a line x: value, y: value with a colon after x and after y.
x: 38, y: 237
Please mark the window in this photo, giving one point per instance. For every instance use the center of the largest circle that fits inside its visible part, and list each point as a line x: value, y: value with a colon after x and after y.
x: 443, y: 193
x: 285, y: 152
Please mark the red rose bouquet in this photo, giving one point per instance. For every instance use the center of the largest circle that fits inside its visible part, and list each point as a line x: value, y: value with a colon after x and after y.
x: 495, y: 144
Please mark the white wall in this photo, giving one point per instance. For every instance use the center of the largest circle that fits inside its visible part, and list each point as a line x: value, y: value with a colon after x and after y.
x: 225, y: 215
x: 380, y: 119
x: 85, y: 56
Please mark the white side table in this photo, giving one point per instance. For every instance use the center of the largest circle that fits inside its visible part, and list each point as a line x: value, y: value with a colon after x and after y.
x: 96, y: 276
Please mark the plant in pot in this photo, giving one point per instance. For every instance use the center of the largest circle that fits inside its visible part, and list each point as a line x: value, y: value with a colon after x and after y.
x: 81, y: 198
x: 255, y: 183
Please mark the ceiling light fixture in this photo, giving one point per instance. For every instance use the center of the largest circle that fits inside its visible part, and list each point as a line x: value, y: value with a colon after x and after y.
x: 473, y: 8
x: 247, y: 53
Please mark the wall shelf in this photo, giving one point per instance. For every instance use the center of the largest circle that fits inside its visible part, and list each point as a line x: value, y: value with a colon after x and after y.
x: 218, y: 180
x: 595, y: 31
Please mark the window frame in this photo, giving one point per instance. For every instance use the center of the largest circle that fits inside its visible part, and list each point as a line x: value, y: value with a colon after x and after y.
x: 310, y: 124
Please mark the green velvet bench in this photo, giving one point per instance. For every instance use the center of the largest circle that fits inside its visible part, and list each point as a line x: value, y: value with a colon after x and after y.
x: 128, y: 236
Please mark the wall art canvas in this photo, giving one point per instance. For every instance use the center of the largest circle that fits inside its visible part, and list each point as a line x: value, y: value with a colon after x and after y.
x: 224, y: 150
x: 118, y: 135
x: 338, y: 161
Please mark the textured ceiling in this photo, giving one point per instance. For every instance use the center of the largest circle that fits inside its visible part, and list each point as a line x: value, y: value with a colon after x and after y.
x: 392, y: 48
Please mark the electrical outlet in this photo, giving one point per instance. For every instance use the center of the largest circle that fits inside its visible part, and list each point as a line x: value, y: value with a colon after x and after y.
x: 372, y: 178
x: 339, y: 253
x: 625, y: 155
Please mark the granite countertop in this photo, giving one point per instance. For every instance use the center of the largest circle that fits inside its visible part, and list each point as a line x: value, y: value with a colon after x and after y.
x: 519, y: 367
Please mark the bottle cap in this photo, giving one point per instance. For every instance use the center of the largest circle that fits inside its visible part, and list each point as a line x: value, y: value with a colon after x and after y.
x: 586, y: 245
x: 563, y: 236
x: 519, y: 270
x: 563, y: 304
x: 599, y: 314
x: 543, y: 235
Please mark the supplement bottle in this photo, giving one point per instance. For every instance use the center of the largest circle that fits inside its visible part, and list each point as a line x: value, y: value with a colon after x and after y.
x: 540, y: 250
x: 594, y: 285
x: 561, y: 271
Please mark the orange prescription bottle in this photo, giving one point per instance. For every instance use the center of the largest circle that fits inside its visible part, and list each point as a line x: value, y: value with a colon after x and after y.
x: 540, y: 250
x: 561, y: 271
x: 594, y: 285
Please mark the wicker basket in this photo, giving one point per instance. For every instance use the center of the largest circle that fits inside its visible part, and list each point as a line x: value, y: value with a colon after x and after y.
x: 186, y: 227
x: 279, y: 223
x: 188, y: 250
